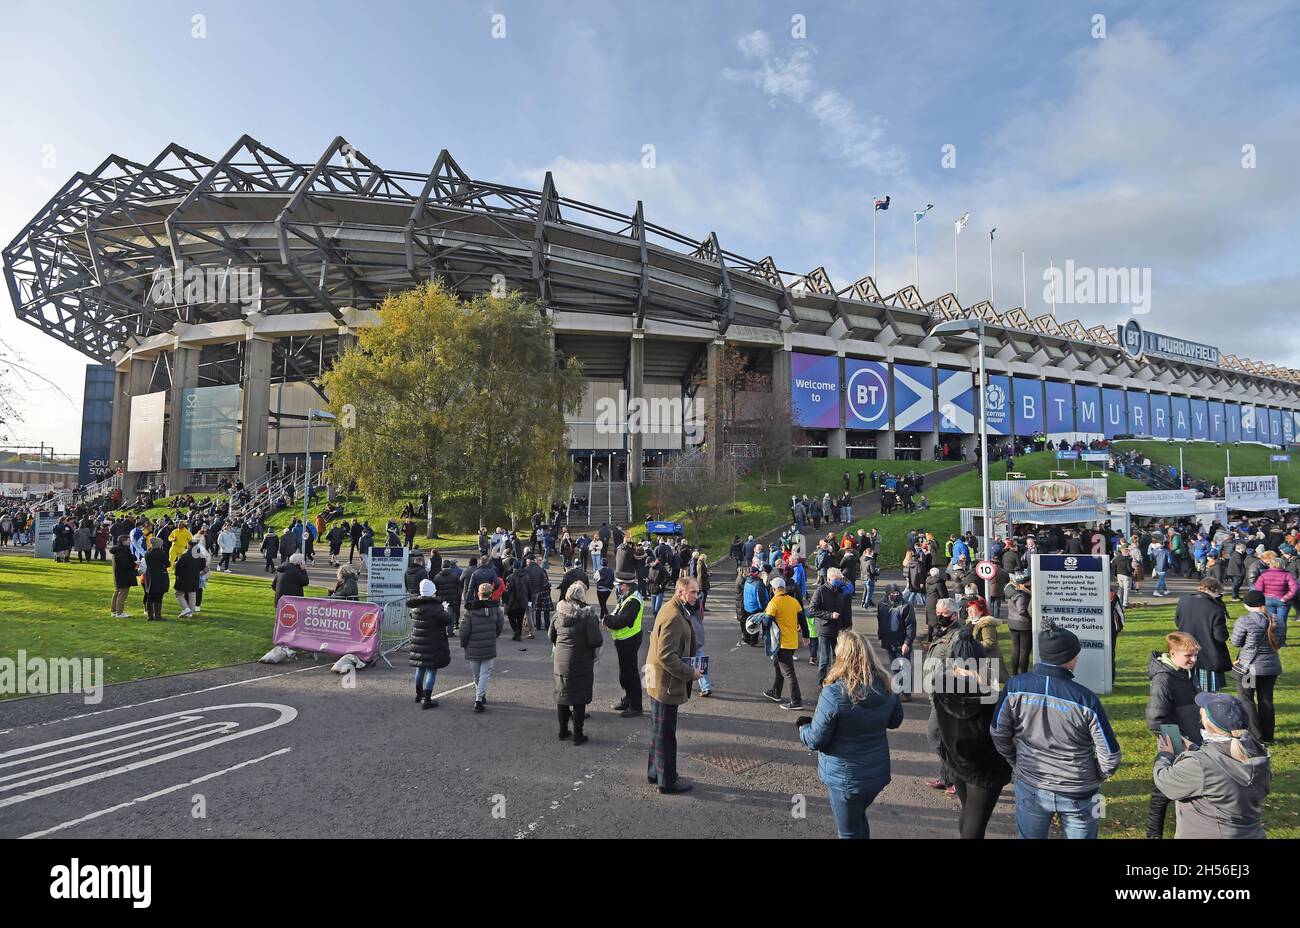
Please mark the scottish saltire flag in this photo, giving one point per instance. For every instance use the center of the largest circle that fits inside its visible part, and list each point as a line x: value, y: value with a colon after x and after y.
x: 919, y: 214
x: 883, y: 204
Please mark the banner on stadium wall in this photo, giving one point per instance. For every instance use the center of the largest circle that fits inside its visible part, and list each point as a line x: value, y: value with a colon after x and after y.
x: 1218, y: 420
x: 1051, y: 501
x: 1251, y: 493
x: 815, y: 390
x: 1139, y: 413
x: 1200, y: 419
x: 997, y: 404
x: 209, y: 427
x: 1114, y: 413
x: 328, y: 626
x: 1288, y: 426
x: 1180, y: 417
x: 1060, y: 408
x: 955, y: 391
x: 1261, y: 423
x: 96, y: 423
x: 1029, y: 405
x: 1073, y: 592
x: 1087, y: 405
x: 1275, y: 426
x: 1231, y: 422
x: 913, y: 398
x: 1248, y: 422
x: 144, y: 450
x: 1159, y: 416
x: 866, y: 391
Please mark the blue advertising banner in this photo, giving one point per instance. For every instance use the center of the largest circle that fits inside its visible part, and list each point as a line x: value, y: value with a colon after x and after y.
x: 1060, y: 408
x: 913, y: 398
x: 209, y: 427
x: 956, y: 396
x: 1180, y: 417
x: 1200, y: 419
x: 1139, y: 413
x: 1029, y: 405
x: 1248, y: 422
x: 866, y: 389
x: 1232, y: 422
x: 1087, y: 404
x: 1218, y: 420
x: 1261, y: 423
x: 96, y: 423
x: 1288, y: 427
x: 1275, y: 426
x: 815, y: 390
x: 1159, y: 415
x: 997, y: 404
x: 1114, y: 413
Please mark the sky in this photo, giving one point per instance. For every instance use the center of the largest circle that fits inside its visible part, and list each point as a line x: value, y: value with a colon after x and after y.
x: 1164, y: 139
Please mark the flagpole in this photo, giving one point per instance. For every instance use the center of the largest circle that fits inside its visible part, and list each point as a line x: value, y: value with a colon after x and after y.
x: 874, y: 210
x: 991, y: 266
x: 1052, y: 263
x: 954, y: 259
x: 1024, y: 285
x: 916, y: 253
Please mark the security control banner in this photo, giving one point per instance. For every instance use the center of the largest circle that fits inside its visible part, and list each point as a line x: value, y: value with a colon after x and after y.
x: 1180, y: 417
x: 1232, y: 422
x: 209, y: 427
x: 1200, y: 419
x: 328, y: 626
x: 1029, y: 405
x: 1060, y: 408
x: 1218, y: 420
x: 144, y: 450
x: 1114, y: 413
x: 997, y: 400
x: 1073, y: 592
x: 1159, y: 415
x: 866, y: 390
x: 957, y: 402
x: 913, y: 398
x: 815, y: 390
x: 1087, y: 406
x: 1139, y: 413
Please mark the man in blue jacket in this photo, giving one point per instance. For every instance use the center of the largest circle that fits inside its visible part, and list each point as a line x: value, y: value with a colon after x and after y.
x: 1055, y: 735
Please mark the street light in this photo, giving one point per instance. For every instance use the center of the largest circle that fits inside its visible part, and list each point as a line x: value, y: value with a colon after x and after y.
x: 960, y: 327
x: 306, y: 486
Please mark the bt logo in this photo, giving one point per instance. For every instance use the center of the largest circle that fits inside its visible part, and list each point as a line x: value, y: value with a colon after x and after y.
x: 869, y: 397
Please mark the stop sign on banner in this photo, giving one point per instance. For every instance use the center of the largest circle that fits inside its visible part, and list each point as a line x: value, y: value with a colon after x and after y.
x: 985, y: 570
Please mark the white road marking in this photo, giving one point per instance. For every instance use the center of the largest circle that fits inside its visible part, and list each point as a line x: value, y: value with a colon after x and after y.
x: 287, y: 714
x: 118, y: 752
x: 154, y: 795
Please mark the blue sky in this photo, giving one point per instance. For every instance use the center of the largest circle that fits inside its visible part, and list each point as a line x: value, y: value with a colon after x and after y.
x: 1122, y: 151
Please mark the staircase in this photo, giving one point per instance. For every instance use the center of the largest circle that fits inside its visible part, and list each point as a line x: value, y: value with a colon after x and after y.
x: 610, y: 501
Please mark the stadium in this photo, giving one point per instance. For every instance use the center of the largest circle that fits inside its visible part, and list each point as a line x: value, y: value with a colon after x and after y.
x: 123, y: 261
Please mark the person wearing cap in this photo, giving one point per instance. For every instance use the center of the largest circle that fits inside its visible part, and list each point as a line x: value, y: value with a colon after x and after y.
x: 624, y: 625
x: 788, y: 615
x: 1259, y: 636
x: 1055, y: 734
x: 1172, y: 701
x: 1204, y: 617
x: 430, y: 652
x: 1291, y: 564
x: 1220, y: 785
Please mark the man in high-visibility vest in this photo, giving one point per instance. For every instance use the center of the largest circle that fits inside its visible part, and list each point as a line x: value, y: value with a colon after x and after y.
x: 624, y: 624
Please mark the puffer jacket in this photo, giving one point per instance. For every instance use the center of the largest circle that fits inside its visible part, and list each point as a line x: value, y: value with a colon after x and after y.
x: 430, y: 620
x: 1250, y: 633
x: 851, y: 738
x: 480, y: 628
x: 1217, y: 795
x: 1019, y: 609
x: 575, y: 632
x: 1055, y: 733
x: 936, y: 588
x: 1277, y: 583
x: 446, y: 586
x: 1172, y: 699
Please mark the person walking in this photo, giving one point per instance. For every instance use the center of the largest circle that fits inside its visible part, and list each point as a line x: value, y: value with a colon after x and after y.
x: 1055, y: 734
x: 479, y: 631
x: 515, y: 602
x: 227, y: 546
x: 624, y: 625
x: 789, y: 625
x: 124, y: 577
x: 430, y: 651
x: 271, y: 548
x: 831, y: 610
x: 668, y: 679
x: 1172, y: 701
x: 1219, y: 788
x: 896, y: 629
x: 849, y: 732
x: 1204, y: 617
x: 1260, y: 637
x: 576, y: 636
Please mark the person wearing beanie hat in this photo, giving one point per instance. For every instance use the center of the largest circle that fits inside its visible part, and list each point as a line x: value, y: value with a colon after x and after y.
x: 1055, y: 734
x: 1259, y: 636
x: 430, y: 652
x: 1220, y: 785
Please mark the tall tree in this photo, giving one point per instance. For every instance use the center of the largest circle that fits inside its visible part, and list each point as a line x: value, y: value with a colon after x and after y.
x: 766, y: 426
x: 692, y: 485
x: 452, y: 397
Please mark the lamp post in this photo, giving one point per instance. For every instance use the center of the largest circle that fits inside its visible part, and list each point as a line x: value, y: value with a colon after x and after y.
x: 306, y: 485
x: 958, y: 327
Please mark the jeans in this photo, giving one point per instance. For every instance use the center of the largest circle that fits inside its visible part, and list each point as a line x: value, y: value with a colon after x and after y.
x: 825, y: 655
x: 657, y: 603
x: 1035, y: 807
x: 1277, y: 608
x: 705, y: 685
x: 481, y: 671
x: 850, y: 811
x: 597, y: 562
x: 848, y: 513
x: 995, y: 606
x: 1160, y: 581
x: 424, y: 678
x: 870, y: 584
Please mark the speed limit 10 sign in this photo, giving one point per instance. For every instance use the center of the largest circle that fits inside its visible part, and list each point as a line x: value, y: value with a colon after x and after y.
x: 985, y: 570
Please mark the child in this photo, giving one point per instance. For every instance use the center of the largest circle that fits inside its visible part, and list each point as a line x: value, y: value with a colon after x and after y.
x: 479, y: 631
x: 1172, y: 702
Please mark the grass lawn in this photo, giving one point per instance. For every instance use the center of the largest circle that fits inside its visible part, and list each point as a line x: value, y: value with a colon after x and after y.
x: 61, y: 610
x: 1128, y: 791
x: 761, y: 511
x: 947, y: 499
x: 1207, y: 462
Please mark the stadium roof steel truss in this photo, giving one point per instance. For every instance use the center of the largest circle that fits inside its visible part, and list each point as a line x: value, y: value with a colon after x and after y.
x: 334, y: 237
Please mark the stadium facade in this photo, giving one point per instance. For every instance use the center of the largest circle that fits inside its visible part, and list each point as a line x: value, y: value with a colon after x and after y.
x: 122, y: 262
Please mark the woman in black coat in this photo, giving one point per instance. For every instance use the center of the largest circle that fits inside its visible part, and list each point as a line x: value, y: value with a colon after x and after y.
x: 188, y: 569
x: 936, y: 588
x: 123, y: 575
x: 156, y: 580
x: 576, y: 636
x: 291, y: 579
x: 430, y: 652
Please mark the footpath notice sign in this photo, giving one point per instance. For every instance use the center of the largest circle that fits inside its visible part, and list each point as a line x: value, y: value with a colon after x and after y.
x: 45, y: 522
x: 328, y: 626
x: 386, y: 585
x: 1073, y: 591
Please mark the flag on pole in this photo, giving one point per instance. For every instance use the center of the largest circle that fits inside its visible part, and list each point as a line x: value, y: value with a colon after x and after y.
x: 960, y: 223
x: 919, y: 214
x: 883, y: 204
x: 991, y: 231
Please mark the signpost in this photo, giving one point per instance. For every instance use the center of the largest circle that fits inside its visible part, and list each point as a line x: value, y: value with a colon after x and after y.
x: 45, y: 522
x: 386, y: 586
x: 1073, y: 592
